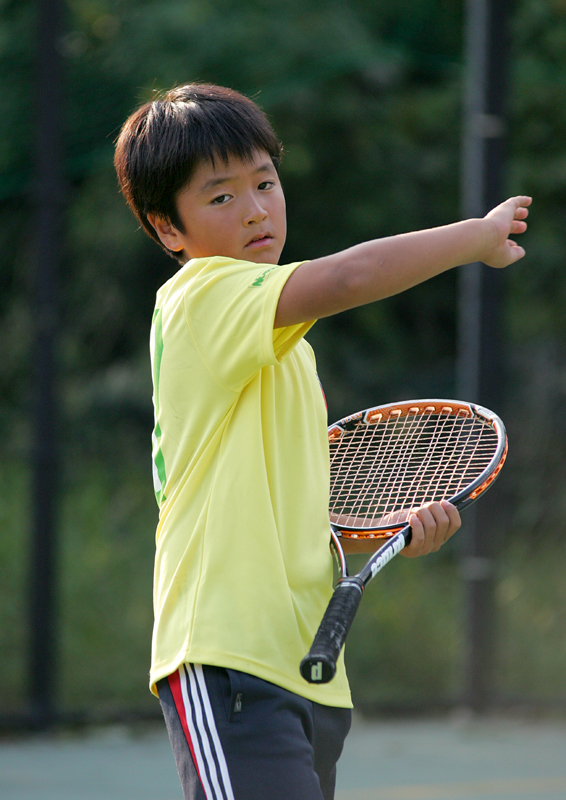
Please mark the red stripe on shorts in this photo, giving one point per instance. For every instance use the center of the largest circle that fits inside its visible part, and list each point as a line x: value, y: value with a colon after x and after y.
x: 175, y: 685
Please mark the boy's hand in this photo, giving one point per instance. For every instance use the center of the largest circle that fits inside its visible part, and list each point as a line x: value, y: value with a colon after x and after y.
x: 432, y: 526
x: 507, y: 219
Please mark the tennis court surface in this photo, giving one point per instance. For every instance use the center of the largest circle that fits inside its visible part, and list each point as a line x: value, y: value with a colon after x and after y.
x: 454, y: 759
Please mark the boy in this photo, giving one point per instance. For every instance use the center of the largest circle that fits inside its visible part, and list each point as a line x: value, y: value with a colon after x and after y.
x: 243, y: 568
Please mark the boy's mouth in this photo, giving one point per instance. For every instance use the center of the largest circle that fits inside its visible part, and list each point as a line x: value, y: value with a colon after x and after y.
x: 261, y: 240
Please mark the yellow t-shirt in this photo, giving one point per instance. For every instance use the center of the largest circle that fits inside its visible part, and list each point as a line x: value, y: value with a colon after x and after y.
x: 243, y: 570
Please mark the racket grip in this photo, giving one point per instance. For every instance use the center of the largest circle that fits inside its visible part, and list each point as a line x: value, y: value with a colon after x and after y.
x: 319, y: 665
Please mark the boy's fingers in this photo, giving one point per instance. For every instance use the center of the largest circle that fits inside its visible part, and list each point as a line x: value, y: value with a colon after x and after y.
x: 518, y: 226
x: 515, y: 250
x: 432, y: 526
x: 455, y: 521
x: 425, y: 530
x: 521, y: 212
x: 517, y: 205
x: 437, y: 526
x: 414, y: 547
x: 521, y: 201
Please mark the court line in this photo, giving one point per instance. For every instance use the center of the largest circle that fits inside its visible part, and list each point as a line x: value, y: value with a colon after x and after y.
x: 448, y: 791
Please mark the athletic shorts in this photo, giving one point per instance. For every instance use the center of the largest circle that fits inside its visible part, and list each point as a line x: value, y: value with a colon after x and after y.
x: 237, y: 737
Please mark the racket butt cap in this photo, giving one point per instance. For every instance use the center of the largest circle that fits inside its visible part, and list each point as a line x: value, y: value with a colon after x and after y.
x: 316, y: 669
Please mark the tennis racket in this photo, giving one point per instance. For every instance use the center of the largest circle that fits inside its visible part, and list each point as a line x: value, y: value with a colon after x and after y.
x: 385, y: 462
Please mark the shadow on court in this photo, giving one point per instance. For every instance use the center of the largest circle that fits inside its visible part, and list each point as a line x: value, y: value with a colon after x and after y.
x: 454, y: 759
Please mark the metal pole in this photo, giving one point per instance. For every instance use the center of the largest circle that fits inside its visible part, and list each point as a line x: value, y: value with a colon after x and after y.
x: 45, y: 457
x: 481, y: 291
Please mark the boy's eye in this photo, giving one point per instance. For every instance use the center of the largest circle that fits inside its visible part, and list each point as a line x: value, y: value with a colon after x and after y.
x: 266, y: 185
x: 222, y: 198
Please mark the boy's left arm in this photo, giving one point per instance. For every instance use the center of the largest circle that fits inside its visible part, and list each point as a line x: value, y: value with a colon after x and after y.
x: 373, y: 270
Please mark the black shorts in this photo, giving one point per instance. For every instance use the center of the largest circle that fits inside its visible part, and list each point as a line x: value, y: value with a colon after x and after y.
x: 237, y: 737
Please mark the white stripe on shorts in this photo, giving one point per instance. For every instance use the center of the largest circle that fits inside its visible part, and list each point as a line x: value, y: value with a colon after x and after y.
x: 209, y: 756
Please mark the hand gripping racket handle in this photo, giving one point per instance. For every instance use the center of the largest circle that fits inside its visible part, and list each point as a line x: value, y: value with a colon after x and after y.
x: 319, y: 665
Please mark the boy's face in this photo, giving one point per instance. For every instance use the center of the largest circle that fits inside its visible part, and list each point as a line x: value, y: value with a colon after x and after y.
x: 235, y: 209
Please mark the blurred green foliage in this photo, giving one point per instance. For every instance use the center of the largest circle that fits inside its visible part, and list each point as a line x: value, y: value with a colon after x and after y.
x: 367, y: 99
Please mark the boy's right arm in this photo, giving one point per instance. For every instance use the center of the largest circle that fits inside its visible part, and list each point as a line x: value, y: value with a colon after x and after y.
x: 383, y: 267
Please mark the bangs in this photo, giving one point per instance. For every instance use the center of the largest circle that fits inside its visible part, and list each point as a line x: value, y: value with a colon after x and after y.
x: 211, y: 134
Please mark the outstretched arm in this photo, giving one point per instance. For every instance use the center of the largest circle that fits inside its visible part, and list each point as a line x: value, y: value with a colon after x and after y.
x: 383, y: 267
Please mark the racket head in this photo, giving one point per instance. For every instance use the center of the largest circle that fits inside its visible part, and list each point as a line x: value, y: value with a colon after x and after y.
x: 387, y: 460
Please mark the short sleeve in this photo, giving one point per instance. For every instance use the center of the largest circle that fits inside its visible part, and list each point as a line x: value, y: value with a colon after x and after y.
x: 230, y: 308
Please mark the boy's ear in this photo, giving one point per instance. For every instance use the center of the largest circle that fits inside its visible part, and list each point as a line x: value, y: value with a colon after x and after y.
x: 167, y: 232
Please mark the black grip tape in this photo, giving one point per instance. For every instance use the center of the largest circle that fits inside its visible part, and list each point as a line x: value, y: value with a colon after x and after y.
x: 319, y: 665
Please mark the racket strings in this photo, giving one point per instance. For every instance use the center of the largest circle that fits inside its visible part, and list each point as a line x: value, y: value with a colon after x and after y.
x: 451, y: 440
x: 405, y: 478
x: 420, y: 458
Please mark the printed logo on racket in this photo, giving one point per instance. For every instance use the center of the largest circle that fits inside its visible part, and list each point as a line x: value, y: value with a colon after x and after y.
x: 387, y: 553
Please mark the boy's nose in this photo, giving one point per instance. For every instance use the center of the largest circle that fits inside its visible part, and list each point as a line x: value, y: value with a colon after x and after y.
x: 255, y: 213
